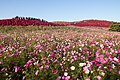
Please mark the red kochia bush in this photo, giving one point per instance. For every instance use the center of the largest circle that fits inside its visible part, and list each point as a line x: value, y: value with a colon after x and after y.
x: 22, y: 21
x: 94, y: 23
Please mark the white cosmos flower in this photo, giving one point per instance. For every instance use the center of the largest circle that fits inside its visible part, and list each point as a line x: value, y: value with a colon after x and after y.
x: 65, y: 73
x: 113, y: 66
x: 97, y: 43
x: 73, y: 46
x: 109, y: 46
x: 6, y: 74
x: 72, y: 67
x: 64, y: 58
x: 116, y: 51
x: 87, y: 71
x: 102, y: 73
x: 10, y: 49
x: 82, y: 45
x: 115, y: 59
x: 68, y: 60
x: 80, y: 49
x: 88, y: 65
x: 91, y: 71
x: 105, y: 67
x: 82, y: 64
x: 101, y: 45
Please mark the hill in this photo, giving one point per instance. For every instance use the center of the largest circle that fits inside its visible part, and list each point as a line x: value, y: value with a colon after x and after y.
x: 91, y: 23
x: 28, y: 21
x: 94, y: 23
x: 25, y: 21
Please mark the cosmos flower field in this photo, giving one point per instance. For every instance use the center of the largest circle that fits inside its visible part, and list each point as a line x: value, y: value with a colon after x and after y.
x: 59, y: 53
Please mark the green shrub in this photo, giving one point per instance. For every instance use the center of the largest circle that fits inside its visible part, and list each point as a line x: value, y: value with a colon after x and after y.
x: 115, y: 27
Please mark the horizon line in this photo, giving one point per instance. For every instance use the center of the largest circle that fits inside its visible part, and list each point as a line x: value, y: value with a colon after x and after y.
x: 63, y: 20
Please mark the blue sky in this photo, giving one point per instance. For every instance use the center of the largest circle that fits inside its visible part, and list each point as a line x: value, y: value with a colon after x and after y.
x: 61, y: 10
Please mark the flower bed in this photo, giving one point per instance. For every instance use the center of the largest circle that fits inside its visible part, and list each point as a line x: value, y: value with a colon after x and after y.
x: 59, y: 54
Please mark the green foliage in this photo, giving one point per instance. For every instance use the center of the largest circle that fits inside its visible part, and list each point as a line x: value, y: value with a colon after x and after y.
x: 111, y: 76
x: 115, y: 27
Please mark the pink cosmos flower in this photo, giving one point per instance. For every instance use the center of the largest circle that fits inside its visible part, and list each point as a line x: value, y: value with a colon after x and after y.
x: 102, y: 61
x: 97, y: 54
x: 106, y: 49
x: 97, y: 59
x: 107, y: 54
x: 46, y: 66
x: 63, y: 77
x: 26, y: 65
x: 58, y: 78
x: 52, y: 55
x: 36, y: 73
x: 118, y: 51
x: 0, y: 62
x: 87, y: 79
x: 67, y: 78
x: 101, y: 56
x: 119, y: 72
x: 97, y: 64
x: 98, y: 77
x: 0, y: 46
x: 17, y: 68
x: 3, y: 49
x: 41, y: 67
x: 12, y: 62
x: 54, y: 71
